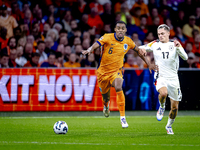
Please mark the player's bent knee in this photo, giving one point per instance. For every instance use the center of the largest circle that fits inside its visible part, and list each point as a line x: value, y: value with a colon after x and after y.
x: 163, y: 94
x: 174, y: 105
x: 174, y: 108
x: 118, y: 89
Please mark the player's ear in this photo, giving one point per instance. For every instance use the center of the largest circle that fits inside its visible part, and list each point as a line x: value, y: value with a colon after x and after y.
x: 168, y: 33
x: 115, y: 29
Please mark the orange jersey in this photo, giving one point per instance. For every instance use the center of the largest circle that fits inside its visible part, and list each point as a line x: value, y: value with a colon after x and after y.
x: 113, y: 52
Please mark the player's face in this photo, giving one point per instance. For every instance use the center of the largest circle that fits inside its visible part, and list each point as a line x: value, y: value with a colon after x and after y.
x: 120, y: 30
x: 163, y: 35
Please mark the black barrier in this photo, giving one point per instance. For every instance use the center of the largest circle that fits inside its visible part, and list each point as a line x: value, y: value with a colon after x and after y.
x: 138, y: 83
x: 190, y: 87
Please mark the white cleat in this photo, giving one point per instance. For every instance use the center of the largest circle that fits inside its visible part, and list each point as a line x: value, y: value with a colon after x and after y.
x: 124, y: 123
x: 106, y: 111
x: 160, y: 113
x: 169, y: 130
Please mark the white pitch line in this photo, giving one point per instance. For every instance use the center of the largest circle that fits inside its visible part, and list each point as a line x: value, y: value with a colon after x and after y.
x: 84, y: 117
x: 74, y: 117
x: 166, y: 145
x: 52, y: 143
x: 64, y: 143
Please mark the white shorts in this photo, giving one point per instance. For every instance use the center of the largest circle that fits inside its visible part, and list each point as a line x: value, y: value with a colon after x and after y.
x: 172, y: 85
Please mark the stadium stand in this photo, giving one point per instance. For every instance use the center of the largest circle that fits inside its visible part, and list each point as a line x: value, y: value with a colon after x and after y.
x: 59, y: 28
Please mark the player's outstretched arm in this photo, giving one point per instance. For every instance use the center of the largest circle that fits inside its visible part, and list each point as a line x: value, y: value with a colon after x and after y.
x: 180, y: 50
x: 90, y: 49
x: 144, y: 58
x: 140, y: 51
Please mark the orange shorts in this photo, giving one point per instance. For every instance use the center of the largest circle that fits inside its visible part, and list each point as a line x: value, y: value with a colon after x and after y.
x: 105, y: 80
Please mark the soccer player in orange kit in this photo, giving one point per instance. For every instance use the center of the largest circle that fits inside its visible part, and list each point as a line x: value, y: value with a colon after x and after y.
x: 109, y: 72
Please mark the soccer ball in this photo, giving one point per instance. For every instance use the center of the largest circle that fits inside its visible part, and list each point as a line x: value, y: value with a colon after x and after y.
x: 60, y: 127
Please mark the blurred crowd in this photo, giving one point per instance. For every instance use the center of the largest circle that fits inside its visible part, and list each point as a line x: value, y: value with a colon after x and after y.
x: 49, y: 33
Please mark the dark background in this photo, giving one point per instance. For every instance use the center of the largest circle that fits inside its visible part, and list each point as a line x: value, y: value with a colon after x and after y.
x: 190, y: 88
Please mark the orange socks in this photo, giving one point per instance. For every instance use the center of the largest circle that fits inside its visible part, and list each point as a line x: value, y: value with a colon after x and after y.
x: 121, y: 103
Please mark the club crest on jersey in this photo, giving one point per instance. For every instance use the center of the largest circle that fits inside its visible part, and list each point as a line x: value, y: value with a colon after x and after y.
x: 125, y: 46
x: 101, y: 38
x: 171, y: 47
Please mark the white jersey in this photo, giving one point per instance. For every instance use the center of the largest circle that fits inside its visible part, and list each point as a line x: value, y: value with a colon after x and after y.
x: 166, y: 57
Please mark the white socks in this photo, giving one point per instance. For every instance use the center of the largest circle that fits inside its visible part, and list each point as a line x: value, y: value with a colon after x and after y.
x: 122, y: 117
x: 170, y: 122
x: 162, y: 105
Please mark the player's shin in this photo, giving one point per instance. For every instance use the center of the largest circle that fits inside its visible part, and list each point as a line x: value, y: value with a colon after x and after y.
x: 162, y: 101
x: 172, y: 116
x: 105, y: 103
x: 121, y: 106
x: 106, y: 98
x: 162, y: 104
x: 162, y: 97
x: 121, y: 103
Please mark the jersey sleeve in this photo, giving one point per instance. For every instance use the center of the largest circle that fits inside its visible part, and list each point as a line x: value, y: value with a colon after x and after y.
x: 132, y: 44
x: 181, y: 52
x: 148, y: 47
x: 103, y: 40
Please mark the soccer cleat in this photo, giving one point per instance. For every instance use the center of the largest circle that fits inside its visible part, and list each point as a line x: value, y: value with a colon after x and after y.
x: 160, y: 113
x: 169, y: 130
x: 106, y: 111
x: 124, y: 123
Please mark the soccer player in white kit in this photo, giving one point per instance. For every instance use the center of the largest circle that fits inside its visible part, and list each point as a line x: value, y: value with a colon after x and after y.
x: 166, y: 55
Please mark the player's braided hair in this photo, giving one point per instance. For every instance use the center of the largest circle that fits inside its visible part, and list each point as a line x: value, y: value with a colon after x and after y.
x: 166, y: 27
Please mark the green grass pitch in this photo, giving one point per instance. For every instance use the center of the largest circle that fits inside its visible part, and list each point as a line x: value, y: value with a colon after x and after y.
x: 97, y: 132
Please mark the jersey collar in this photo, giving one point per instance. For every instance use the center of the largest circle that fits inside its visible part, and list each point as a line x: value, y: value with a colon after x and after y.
x: 117, y: 39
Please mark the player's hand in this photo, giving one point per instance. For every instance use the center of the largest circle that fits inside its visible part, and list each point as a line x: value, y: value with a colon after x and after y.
x: 153, y: 67
x: 88, y: 51
x: 176, y: 43
x: 142, y: 52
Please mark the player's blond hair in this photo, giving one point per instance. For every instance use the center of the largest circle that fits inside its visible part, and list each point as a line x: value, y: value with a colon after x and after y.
x: 166, y: 27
